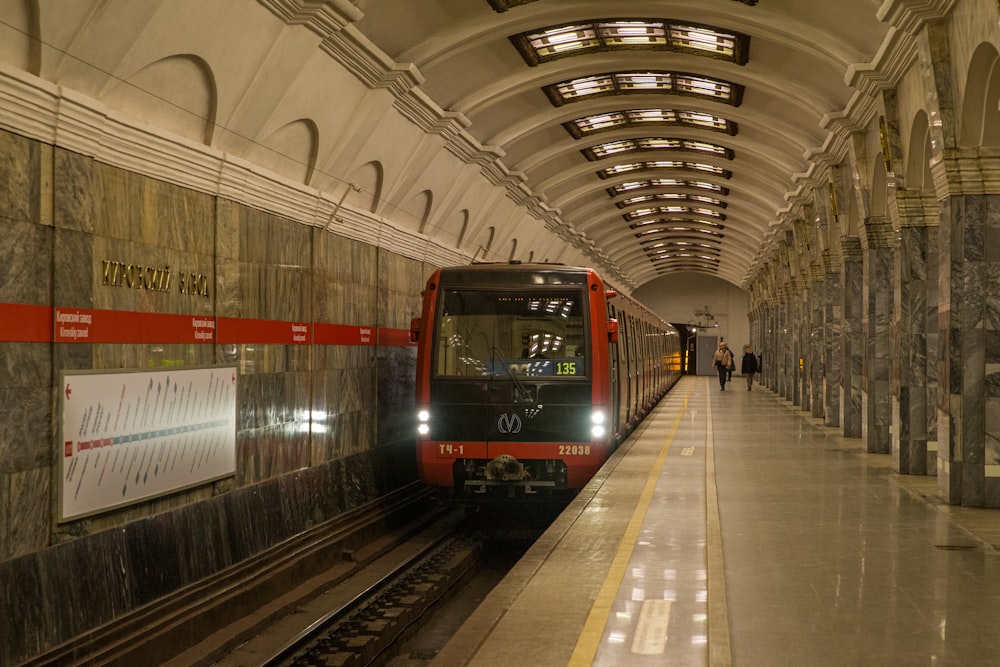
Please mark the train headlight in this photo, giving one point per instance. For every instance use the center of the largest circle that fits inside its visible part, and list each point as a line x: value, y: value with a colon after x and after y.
x: 597, y: 420
x: 423, y: 428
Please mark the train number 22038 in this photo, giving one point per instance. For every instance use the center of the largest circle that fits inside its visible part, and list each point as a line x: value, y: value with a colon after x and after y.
x: 574, y: 450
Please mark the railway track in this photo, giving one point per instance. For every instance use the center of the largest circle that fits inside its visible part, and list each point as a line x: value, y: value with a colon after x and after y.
x: 201, y: 623
x: 368, y: 628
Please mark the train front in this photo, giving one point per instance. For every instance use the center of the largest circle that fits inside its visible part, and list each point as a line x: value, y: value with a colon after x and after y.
x: 512, y: 381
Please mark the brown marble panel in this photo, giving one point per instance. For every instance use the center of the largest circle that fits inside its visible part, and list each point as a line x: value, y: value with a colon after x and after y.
x: 27, y: 511
x: 20, y: 179
x: 25, y: 261
x: 174, y: 217
x: 25, y: 423
x: 274, y: 292
x: 72, y: 285
x: 79, y: 202
x: 228, y: 280
x: 345, y: 260
x: 227, y: 229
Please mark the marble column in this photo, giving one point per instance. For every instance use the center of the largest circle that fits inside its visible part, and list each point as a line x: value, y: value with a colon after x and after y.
x: 913, y: 422
x: 770, y: 356
x: 790, y: 345
x: 817, y: 339
x: 833, y: 314
x: 969, y: 330
x: 850, y: 339
x: 875, y: 390
x: 801, y: 330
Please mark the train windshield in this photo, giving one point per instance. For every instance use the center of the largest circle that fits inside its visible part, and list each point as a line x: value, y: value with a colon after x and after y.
x: 504, y: 333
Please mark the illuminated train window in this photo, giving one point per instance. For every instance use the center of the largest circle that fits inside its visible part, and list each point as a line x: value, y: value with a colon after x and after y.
x: 574, y: 39
x: 613, y: 120
x: 645, y: 82
x: 500, y: 333
x: 625, y: 146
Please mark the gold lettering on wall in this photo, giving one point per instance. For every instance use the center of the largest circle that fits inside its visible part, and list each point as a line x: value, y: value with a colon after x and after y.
x: 152, y: 278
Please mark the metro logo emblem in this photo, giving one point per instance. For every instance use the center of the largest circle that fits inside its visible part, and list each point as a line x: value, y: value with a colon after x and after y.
x: 509, y: 423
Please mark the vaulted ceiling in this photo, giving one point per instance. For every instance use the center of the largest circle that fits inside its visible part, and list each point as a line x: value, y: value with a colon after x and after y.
x: 648, y: 136
x: 668, y: 134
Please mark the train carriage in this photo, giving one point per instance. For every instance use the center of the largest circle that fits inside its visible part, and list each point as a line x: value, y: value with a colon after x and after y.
x: 529, y: 375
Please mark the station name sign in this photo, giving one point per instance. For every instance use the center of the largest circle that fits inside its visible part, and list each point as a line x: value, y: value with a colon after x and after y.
x: 152, y: 278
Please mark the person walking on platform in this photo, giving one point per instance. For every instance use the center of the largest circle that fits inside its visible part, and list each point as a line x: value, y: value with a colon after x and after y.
x: 723, y: 359
x: 749, y: 366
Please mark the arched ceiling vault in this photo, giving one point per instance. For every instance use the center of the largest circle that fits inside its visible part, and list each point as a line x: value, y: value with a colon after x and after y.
x: 787, y: 68
x: 650, y: 136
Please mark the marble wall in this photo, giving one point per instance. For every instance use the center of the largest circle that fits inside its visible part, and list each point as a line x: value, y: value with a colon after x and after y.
x: 26, y: 372
x: 320, y: 428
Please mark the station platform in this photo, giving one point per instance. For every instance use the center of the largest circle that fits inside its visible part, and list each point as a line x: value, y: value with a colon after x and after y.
x: 734, y: 529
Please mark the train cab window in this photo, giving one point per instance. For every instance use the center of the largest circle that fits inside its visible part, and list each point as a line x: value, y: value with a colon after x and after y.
x: 501, y: 333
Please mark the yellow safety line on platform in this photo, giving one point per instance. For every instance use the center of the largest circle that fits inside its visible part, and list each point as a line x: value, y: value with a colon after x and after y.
x: 593, y: 629
x: 719, y: 647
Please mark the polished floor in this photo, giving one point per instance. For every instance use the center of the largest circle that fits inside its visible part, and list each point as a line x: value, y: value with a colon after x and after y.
x: 732, y: 529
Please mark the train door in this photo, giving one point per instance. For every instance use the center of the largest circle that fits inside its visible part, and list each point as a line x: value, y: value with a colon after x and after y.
x: 640, y: 368
x: 626, y: 332
x: 614, y: 370
x: 647, y: 371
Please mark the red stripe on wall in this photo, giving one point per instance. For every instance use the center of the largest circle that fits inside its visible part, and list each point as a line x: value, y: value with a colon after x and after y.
x: 343, y: 334
x: 82, y: 325
x: 24, y: 323
x: 233, y: 330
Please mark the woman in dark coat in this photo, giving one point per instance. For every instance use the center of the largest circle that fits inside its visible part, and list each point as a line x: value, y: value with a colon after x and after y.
x: 749, y: 367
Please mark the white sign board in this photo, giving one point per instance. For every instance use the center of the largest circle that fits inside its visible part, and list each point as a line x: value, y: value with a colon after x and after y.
x: 130, y: 436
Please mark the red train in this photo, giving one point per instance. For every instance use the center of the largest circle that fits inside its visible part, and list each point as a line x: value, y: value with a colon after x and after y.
x: 529, y: 375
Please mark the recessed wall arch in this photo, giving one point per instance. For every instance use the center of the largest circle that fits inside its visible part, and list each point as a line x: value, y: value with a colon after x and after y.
x: 458, y: 226
x: 980, y: 111
x: 879, y: 195
x: 423, y: 201
x: 488, y: 236
x: 177, y: 93
x: 290, y: 150
x: 366, y: 187
x: 918, y: 155
x: 513, y: 250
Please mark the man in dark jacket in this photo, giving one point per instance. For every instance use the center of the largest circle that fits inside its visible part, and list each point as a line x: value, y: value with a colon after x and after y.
x: 749, y: 367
